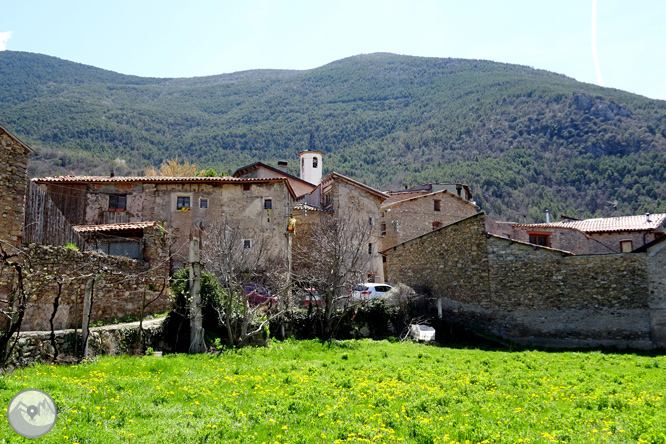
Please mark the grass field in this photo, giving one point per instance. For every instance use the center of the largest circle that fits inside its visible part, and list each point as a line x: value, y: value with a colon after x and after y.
x: 353, y: 391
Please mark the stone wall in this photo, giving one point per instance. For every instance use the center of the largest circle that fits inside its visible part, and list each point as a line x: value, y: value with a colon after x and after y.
x: 532, y: 294
x: 33, y: 347
x: 657, y: 286
x: 13, y: 184
x: 119, y: 292
x: 413, y: 217
x: 349, y: 199
x: 451, y: 262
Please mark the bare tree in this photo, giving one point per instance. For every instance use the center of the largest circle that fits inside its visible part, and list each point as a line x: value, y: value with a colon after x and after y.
x: 332, y: 256
x: 238, y: 260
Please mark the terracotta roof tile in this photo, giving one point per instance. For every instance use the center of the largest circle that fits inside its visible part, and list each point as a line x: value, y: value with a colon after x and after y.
x: 130, y: 226
x: 608, y: 224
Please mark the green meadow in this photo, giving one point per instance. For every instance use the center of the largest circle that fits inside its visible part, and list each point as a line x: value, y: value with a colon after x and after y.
x: 353, y: 391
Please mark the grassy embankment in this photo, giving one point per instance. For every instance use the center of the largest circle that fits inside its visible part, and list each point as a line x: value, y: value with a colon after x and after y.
x: 297, y: 392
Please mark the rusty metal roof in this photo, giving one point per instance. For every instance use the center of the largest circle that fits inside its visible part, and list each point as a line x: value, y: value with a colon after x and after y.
x: 130, y: 226
x: 607, y: 224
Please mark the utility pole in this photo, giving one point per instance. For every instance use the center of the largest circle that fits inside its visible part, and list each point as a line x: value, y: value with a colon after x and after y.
x: 197, y: 344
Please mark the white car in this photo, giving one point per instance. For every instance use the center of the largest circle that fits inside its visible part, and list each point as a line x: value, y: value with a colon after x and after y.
x: 369, y: 290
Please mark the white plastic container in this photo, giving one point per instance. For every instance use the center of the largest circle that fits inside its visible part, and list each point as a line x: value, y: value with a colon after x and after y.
x: 422, y: 332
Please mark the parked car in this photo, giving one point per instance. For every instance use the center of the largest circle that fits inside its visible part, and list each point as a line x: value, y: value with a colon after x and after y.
x: 257, y: 294
x: 368, y: 291
x: 312, y: 297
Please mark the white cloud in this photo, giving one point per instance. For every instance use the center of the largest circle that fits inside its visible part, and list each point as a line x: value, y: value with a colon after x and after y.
x: 4, y: 37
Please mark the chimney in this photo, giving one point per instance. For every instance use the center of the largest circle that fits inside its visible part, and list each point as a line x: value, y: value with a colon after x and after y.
x: 113, y: 174
x: 547, y: 217
x: 282, y: 166
x: 647, y: 217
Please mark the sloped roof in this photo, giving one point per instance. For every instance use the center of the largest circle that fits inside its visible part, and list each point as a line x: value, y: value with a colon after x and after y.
x: 257, y: 165
x: 160, y: 179
x: 405, y: 196
x: 334, y: 176
x: 399, y: 197
x: 607, y: 224
x: 130, y: 226
x: 10, y: 134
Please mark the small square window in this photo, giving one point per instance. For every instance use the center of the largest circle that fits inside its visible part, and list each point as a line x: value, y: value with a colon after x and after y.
x: 539, y: 239
x: 246, y: 187
x: 268, y: 204
x: 182, y: 202
x: 438, y: 205
x: 626, y: 246
x: 203, y: 203
x: 117, y: 202
x: 247, y: 243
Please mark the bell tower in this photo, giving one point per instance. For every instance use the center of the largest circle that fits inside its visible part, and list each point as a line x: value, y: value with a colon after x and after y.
x: 311, y: 162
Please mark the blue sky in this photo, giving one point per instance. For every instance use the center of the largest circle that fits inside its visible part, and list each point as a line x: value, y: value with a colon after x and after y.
x: 204, y: 37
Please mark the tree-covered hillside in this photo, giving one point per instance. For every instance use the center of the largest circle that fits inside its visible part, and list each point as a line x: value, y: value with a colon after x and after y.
x: 525, y: 140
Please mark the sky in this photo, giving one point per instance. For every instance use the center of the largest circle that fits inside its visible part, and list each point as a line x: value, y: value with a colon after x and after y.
x: 169, y: 38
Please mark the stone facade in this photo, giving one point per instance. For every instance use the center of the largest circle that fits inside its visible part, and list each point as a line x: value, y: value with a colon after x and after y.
x: 118, y: 293
x: 533, y: 294
x: 406, y: 219
x: 346, y: 197
x: 241, y: 203
x: 13, y: 181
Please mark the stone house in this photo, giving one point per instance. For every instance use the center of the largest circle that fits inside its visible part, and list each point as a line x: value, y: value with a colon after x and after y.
x: 413, y: 212
x: 187, y: 206
x: 589, y: 236
x: 340, y: 196
x: 535, y: 294
x: 13, y: 182
x: 263, y: 171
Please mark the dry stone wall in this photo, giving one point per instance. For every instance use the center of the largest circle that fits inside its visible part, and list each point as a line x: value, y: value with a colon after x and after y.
x: 13, y: 183
x: 34, y: 347
x: 532, y: 294
x: 118, y: 293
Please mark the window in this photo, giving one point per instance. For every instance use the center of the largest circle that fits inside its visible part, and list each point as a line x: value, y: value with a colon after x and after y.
x: 246, y: 187
x: 371, y: 221
x: 327, y: 199
x: 117, y: 202
x: 371, y: 248
x: 541, y: 239
x: 247, y: 243
x: 626, y: 246
x: 315, y: 162
x: 383, y: 228
x: 438, y: 205
x: 436, y: 225
x: 268, y: 204
x: 182, y: 202
x: 203, y: 203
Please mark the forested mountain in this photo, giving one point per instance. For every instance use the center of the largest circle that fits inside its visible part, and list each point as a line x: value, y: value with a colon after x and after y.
x: 525, y: 140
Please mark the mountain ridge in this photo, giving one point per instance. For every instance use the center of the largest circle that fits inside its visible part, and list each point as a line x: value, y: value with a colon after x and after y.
x: 524, y: 139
